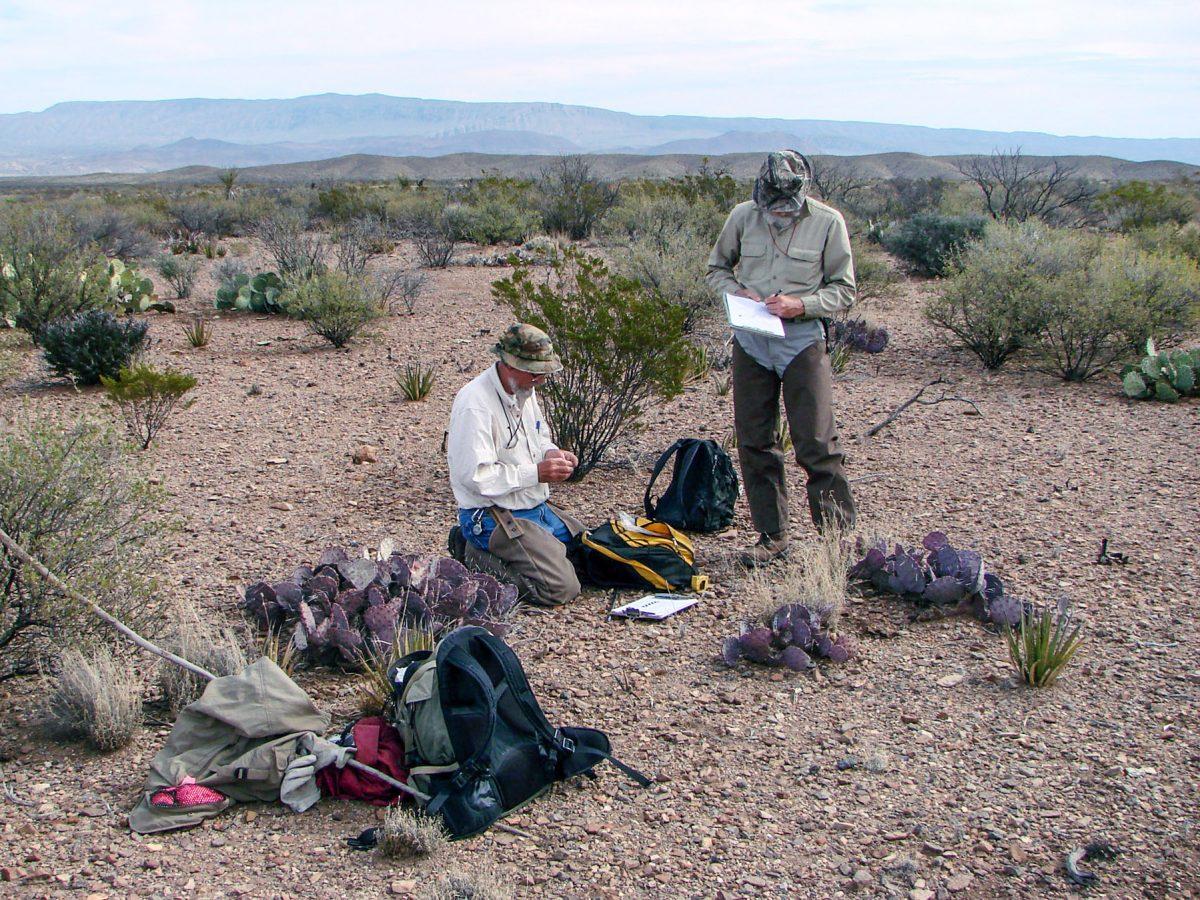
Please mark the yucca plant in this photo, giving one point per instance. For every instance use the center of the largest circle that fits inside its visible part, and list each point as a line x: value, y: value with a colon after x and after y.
x: 698, y: 366
x: 722, y: 382
x: 198, y: 331
x: 415, y: 381
x: 1042, y: 645
x: 783, y: 435
x: 280, y: 650
x: 374, y: 686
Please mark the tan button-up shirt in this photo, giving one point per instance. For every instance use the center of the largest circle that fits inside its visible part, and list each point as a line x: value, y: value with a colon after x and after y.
x: 808, y: 256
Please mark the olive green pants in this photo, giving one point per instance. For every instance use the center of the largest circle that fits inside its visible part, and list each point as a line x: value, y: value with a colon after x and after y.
x: 527, y: 555
x: 807, y: 389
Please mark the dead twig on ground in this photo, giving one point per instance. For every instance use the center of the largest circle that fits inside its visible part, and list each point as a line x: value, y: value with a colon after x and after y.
x: 917, y: 399
x: 10, y: 794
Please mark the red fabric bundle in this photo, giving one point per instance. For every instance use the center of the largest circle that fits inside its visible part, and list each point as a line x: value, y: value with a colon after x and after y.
x: 378, y: 746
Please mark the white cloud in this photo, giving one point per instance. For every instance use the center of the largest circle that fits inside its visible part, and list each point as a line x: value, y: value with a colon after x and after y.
x: 1071, y: 66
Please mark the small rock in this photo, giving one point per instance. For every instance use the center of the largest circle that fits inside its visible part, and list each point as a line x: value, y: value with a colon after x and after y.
x: 365, y: 454
x: 959, y: 882
x: 219, y: 841
x: 407, y: 886
x: 848, y: 763
x: 282, y: 506
x: 909, y: 718
x: 862, y: 877
x: 878, y: 763
x: 920, y: 894
x: 950, y: 680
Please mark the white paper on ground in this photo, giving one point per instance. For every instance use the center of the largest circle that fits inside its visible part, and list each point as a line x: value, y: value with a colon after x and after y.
x: 750, y: 315
x: 654, y: 606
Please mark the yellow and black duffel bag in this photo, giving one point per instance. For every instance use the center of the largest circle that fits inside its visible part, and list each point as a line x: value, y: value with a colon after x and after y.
x: 640, y: 553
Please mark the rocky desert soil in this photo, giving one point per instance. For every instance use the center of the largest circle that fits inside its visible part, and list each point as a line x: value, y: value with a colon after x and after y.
x: 919, y: 769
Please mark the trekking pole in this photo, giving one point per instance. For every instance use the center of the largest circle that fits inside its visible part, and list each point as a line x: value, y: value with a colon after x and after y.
x: 54, y: 581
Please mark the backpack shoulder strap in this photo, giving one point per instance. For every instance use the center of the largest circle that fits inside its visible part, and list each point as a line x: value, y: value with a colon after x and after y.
x: 649, y: 504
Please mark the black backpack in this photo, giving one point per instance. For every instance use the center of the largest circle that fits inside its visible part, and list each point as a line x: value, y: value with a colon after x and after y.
x: 703, y: 488
x: 476, y: 739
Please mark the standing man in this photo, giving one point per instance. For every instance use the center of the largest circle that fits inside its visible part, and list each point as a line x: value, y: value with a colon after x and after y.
x: 502, y: 463
x: 792, y: 253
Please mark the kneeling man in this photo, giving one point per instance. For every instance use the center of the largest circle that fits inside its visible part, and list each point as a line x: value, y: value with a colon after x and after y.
x: 502, y: 462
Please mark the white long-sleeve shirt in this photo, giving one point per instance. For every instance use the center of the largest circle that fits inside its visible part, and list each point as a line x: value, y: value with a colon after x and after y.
x: 494, y: 446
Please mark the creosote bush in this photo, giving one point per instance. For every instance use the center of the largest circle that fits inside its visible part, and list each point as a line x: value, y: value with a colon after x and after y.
x: 928, y: 242
x: 620, y: 348
x: 146, y: 397
x: 72, y: 496
x: 93, y: 345
x: 407, y: 834
x: 334, y: 306
x: 94, y: 695
x: 572, y: 199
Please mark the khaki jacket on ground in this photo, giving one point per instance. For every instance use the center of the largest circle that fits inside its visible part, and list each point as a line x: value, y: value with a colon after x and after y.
x: 238, y: 738
x: 813, y: 262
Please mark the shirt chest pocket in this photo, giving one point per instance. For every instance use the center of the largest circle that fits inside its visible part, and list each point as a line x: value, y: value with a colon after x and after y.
x: 754, y: 261
x: 803, y: 265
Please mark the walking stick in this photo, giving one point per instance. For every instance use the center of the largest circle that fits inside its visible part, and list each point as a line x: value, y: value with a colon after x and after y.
x: 54, y: 581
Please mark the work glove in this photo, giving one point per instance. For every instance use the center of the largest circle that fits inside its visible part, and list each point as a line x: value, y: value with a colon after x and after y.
x: 299, y: 790
x: 326, y: 752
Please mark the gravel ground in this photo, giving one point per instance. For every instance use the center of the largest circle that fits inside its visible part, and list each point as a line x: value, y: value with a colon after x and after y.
x: 919, y: 769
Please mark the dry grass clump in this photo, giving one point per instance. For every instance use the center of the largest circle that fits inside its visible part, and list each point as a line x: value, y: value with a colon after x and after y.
x: 409, y: 835
x: 95, y: 695
x: 216, y: 650
x: 480, y: 883
x: 375, y: 688
x: 814, y: 574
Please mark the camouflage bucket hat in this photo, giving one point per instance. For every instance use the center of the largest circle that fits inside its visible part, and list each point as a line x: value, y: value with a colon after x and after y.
x: 527, y: 349
x: 783, y: 181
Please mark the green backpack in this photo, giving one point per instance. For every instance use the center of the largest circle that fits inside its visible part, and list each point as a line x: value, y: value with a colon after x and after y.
x: 476, y: 740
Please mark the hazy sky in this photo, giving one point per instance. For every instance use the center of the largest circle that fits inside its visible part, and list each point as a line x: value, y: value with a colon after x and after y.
x: 1105, y: 67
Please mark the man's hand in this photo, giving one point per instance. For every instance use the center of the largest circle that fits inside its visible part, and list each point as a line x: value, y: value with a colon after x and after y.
x: 784, y: 306
x: 747, y: 293
x: 562, y: 454
x: 556, y: 469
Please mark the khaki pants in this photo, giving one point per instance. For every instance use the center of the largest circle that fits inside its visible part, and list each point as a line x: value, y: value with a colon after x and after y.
x: 531, y: 557
x: 807, y: 388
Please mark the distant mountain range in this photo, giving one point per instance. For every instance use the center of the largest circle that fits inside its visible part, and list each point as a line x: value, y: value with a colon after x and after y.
x: 152, y: 136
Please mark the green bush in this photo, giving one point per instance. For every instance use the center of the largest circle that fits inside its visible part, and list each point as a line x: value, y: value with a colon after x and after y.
x: 334, y: 306
x: 671, y: 266
x: 180, y: 273
x: 642, y: 214
x: 620, y: 348
x: 928, y: 242
x: 1169, y: 240
x: 996, y: 289
x: 874, y: 277
x: 91, y: 345
x: 43, y: 274
x: 73, y: 498
x: 199, y: 215
x: 572, y: 200
x: 146, y: 397
x: 492, y: 221
x: 1140, y: 204
x: 1079, y: 302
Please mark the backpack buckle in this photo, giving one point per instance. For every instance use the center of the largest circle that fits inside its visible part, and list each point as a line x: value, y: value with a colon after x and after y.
x: 564, y: 742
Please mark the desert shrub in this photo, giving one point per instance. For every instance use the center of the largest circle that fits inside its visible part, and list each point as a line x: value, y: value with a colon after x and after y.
x: 671, y: 267
x: 1140, y: 204
x: 572, y: 200
x: 480, y: 882
x: 620, y: 348
x: 927, y: 242
x: 1040, y: 647
x: 347, y: 202
x: 1110, y: 306
x: 1169, y: 240
x: 357, y: 242
x: 198, y: 641
x: 146, y: 397
x: 71, y: 496
x: 334, y: 306
x: 92, y: 345
x: 201, y: 216
x: 912, y: 196
x: 298, y: 253
x: 179, y: 271
x: 94, y: 695
x: 198, y: 331
x: 492, y: 221
x: 1163, y: 376
x: 993, y: 299
x: 874, y: 277
x: 113, y: 231
x: 408, y: 834
x: 405, y: 288
x: 43, y: 274
x: 432, y: 233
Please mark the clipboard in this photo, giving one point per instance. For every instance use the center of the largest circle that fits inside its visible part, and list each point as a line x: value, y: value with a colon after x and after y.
x: 750, y: 315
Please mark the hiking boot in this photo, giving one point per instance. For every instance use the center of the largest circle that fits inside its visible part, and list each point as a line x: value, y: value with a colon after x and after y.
x: 457, y: 544
x: 769, y: 548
